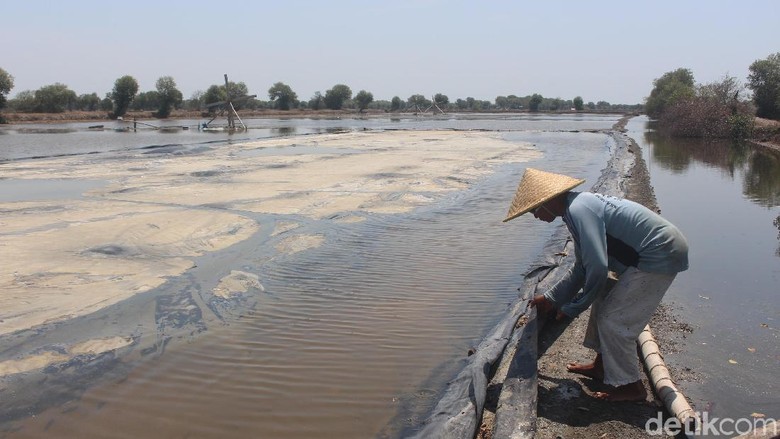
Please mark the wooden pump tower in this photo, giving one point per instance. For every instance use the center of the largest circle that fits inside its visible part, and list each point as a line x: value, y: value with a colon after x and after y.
x: 226, y: 108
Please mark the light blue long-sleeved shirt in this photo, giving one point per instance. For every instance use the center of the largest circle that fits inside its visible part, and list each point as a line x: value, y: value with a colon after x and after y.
x: 611, y: 234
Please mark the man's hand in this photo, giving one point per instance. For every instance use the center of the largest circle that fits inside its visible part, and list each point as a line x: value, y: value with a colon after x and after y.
x: 545, y: 307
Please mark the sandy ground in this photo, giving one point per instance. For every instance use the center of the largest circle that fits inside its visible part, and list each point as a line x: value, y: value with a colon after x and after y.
x: 156, y: 213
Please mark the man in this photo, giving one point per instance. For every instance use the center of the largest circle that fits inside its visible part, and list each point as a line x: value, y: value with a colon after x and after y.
x: 609, y: 233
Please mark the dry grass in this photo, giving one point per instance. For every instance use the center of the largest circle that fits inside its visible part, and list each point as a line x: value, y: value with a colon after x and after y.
x: 767, y: 132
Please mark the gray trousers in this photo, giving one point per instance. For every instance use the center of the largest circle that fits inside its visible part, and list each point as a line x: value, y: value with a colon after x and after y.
x: 618, y: 316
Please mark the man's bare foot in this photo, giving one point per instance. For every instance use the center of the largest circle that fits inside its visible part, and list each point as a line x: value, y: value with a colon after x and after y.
x: 629, y: 392
x: 593, y: 370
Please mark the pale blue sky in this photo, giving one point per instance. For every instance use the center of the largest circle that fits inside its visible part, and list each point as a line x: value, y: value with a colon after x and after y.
x: 603, y: 50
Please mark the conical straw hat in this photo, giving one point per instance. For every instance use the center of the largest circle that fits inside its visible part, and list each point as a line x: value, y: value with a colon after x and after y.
x: 536, y: 187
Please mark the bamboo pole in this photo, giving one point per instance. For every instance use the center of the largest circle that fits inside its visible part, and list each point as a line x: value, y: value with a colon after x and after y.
x: 237, y: 117
x: 227, y: 99
x: 673, y: 399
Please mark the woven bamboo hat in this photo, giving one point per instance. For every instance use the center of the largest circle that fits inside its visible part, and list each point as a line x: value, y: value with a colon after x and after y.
x: 537, y: 187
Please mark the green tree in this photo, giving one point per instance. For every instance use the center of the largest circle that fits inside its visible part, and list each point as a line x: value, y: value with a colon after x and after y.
x: 239, y: 94
x: 535, y: 101
x: 283, y: 95
x: 55, y: 98
x: 169, y: 96
x: 218, y: 93
x: 515, y: 103
x: 362, y: 99
x: 317, y: 101
x: 125, y: 89
x: 23, y: 102
x: 6, y: 84
x: 106, y: 104
x: 395, y: 103
x: 214, y: 94
x: 591, y: 105
x: 578, y: 104
x: 418, y: 102
x: 88, y: 102
x: 195, y: 101
x: 764, y: 80
x: 146, y: 100
x: 381, y: 104
x: 441, y: 100
x: 335, y: 97
x: 670, y: 88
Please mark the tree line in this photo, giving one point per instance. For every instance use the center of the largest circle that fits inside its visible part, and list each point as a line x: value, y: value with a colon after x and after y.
x: 719, y: 109
x: 683, y: 107
x: 166, y: 97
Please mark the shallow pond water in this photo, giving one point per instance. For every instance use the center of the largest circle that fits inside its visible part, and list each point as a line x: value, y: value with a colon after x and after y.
x: 45, y: 140
x: 45, y: 189
x: 356, y: 337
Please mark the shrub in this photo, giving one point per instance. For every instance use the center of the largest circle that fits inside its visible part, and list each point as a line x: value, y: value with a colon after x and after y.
x: 714, y: 111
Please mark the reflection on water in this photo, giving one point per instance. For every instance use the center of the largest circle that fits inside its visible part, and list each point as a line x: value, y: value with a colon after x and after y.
x: 762, y: 179
x: 776, y: 222
x: 725, y: 197
x: 284, y: 131
x: 760, y: 168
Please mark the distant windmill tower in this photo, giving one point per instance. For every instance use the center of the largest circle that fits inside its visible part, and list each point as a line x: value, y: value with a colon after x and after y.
x: 226, y: 108
x: 434, y: 105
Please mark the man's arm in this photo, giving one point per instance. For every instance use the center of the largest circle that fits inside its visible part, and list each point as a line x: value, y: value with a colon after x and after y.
x: 592, y: 234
